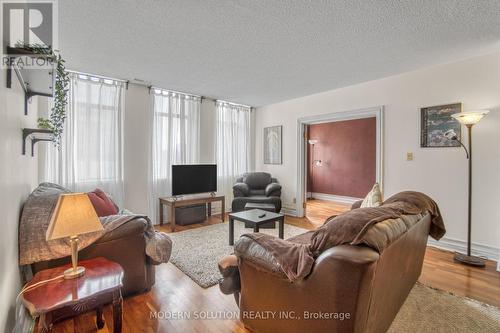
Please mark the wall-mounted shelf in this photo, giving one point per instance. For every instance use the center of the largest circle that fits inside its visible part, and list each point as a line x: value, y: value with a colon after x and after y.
x: 36, y: 135
x: 35, y: 81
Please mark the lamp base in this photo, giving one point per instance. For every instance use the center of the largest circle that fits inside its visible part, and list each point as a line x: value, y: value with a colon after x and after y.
x: 469, y: 260
x: 71, y: 273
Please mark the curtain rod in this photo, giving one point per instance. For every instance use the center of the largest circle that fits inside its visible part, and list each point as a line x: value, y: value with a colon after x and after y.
x: 175, y: 92
x: 236, y: 104
x: 150, y: 87
x: 226, y: 102
x: 201, y: 97
x: 98, y: 76
x: 163, y: 89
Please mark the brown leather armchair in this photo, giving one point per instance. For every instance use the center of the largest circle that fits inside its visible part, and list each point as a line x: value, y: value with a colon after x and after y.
x: 256, y: 187
x: 351, y: 288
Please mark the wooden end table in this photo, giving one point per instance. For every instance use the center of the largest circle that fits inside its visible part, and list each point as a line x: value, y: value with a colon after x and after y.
x: 63, y: 298
x: 174, y: 203
x: 252, y: 218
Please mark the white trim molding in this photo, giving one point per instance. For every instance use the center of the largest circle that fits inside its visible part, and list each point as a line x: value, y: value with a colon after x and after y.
x: 333, y: 197
x: 377, y: 112
x: 481, y: 250
x: 290, y: 211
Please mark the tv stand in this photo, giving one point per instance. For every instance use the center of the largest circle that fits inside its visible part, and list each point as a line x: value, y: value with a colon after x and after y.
x: 174, y: 202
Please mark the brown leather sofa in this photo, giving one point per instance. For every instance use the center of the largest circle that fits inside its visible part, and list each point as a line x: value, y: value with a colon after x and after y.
x: 125, y: 245
x: 346, y: 280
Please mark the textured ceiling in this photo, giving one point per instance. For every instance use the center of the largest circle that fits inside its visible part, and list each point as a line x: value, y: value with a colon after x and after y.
x: 264, y: 51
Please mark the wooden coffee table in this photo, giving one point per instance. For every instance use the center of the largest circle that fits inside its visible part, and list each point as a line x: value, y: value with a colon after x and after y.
x: 251, y: 217
x: 62, y: 298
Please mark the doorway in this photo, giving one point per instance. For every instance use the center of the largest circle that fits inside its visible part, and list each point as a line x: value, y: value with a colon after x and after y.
x: 340, y: 157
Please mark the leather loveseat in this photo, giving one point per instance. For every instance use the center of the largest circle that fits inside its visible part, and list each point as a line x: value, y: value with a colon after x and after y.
x: 125, y: 245
x: 350, y: 288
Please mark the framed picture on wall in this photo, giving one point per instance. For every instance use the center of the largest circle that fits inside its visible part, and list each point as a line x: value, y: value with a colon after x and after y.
x: 435, y: 121
x: 273, y: 145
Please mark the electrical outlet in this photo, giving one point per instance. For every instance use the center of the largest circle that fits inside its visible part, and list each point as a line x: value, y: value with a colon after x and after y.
x: 409, y: 156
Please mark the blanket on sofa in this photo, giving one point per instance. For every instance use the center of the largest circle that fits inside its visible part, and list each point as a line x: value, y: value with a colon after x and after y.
x: 296, y: 259
x: 35, y: 220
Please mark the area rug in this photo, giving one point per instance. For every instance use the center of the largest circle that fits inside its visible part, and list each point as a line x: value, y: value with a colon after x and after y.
x: 196, y: 252
x: 430, y: 310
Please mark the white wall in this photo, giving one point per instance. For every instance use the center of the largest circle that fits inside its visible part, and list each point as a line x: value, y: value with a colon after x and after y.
x: 18, y: 177
x: 439, y: 172
x: 136, y: 146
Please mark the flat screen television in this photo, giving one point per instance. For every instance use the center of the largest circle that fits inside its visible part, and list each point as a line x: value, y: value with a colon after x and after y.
x: 194, y: 178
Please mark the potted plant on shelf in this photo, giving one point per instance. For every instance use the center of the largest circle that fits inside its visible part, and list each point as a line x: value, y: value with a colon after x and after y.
x: 57, y: 116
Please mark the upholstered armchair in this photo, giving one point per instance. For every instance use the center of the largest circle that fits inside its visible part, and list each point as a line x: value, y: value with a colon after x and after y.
x: 256, y: 187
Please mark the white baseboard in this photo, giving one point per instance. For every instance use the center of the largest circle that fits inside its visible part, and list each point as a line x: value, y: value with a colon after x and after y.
x: 451, y: 244
x: 289, y: 211
x: 332, y: 197
x: 217, y: 210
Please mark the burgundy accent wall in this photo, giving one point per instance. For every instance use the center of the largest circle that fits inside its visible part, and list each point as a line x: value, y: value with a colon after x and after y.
x: 347, y: 150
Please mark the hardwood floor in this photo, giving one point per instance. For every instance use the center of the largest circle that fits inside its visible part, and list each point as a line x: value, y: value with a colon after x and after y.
x: 319, y: 210
x: 175, y: 294
x: 442, y: 272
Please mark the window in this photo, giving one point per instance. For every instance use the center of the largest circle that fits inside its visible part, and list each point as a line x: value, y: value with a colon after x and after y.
x: 233, y: 145
x: 175, y: 140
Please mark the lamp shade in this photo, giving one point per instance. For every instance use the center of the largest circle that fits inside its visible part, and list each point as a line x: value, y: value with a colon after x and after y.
x: 470, y: 117
x: 74, y: 215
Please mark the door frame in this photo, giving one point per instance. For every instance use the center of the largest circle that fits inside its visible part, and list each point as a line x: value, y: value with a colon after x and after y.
x: 376, y: 111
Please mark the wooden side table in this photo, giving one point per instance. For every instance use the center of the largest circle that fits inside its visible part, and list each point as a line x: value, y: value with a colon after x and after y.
x: 62, y: 298
x: 173, y: 203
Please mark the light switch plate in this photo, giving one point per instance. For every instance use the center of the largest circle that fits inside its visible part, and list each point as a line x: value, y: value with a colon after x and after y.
x: 409, y: 156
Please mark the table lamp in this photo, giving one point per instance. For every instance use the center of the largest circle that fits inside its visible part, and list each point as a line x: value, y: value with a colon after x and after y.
x: 468, y: 119
x: 74, y: 215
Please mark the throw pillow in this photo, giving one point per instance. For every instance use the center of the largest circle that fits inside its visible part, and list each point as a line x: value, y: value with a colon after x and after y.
x: 373, y: 198
x: 103, y: 205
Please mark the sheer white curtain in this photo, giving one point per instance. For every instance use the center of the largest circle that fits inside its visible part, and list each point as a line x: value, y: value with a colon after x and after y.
x: 91, y: 152
x: 233, y: 145
x: 175, y: 140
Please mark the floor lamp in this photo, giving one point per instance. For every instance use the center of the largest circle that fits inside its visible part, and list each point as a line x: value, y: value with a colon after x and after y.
x: 312, y: 142
x: 468, y: 119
